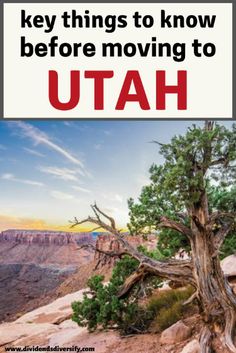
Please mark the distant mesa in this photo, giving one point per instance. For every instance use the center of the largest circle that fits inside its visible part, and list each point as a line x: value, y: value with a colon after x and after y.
x: 46, y: 237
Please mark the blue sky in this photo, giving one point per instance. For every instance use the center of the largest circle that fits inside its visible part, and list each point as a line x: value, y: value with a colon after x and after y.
x: 51, y: 171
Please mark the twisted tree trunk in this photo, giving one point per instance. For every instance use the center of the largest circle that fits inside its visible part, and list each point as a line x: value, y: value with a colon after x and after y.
x: 216, y: 298
x: 203, y: 271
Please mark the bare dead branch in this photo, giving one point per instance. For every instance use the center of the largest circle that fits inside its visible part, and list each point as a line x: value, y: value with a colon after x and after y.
x: 131, y: 281
x: 176, y: 270
x: 191, y: 299
x: 179, y: 227
x: 96, y: 228
x: 219, y: 215
x: 223, y: 160
x: 97, y: 264
x: 220, y: 237
x: 97, y: 210
x: 97, y: 221
x: 107, y: 253
x: 157, y: 142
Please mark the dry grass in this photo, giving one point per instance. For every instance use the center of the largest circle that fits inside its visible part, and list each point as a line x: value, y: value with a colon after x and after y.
x: 168, y: 307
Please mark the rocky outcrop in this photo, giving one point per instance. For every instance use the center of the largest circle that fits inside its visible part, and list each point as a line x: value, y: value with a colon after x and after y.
x: 42, y: 321
x: 192, y: 347
x: 229, y: 266
x: 44, y: 247
x: 23, y: 283
x: 44, y: 237
x: 104, y: 240
x: 51, y: 325
x: 107, y: 242
x: 176, y: 333
x: 34, y: 263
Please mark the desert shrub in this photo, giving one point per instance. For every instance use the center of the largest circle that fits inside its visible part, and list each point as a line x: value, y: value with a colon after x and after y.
x: 166, y: 298
x: 169, y: 316
x: 102, y: 308
x: 136, y: 319
x: 168, y: 308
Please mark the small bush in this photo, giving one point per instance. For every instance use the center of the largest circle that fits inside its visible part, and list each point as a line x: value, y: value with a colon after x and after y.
x: 102, y: 308
x: 136, y: 319
x: 169, y: 316
x: 167, y: 307
x: 166, y: 298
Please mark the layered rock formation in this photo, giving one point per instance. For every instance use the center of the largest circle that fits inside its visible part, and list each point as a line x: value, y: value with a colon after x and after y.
x: 34, y: 263
x: 106, y: 242
x: 44, y: 247
x: 44, y: 237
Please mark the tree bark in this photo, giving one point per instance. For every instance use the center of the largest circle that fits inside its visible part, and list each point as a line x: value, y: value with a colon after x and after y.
x: 215, y: 296
x: 218, y: 302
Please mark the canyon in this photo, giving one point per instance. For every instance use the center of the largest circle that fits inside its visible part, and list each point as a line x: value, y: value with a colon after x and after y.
x: 44, y: 247
x: 34, y: 263
x: 37, y: 267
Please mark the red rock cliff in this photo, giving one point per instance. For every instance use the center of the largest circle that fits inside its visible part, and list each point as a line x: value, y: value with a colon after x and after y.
x: 44, y: 247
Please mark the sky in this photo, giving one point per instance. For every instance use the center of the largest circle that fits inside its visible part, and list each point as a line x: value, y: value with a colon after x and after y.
x: 52, y: 171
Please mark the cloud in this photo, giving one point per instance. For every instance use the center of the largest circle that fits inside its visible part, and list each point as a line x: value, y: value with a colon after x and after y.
x: 33, y: 152
x: 69, y: 124
x: 109, y: 210
x: 7, y: 176
x: 61, y: 173
x: 111, y: 197
x: 78, y: 188
x: 118, y: 198
x: 39, y: 137
x: 11, y: 177
x: 107, y: 132
x: 12, y: 222
x: 61, y: 195
x: 121, y: 216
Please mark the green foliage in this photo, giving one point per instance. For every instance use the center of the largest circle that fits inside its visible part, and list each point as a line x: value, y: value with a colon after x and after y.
x: 167, y: 298
x: 122, y: 270
x: 86, y: 313
x: 154, y: 254
x: 168, y: 308
x: 229, y: 245
x: 102, y: 308
x: 224, y: 200
x: 170, y: 242
x: 169, y: 316
x: 136, y: 319
x: 192, y: 162
x: 178, y: 188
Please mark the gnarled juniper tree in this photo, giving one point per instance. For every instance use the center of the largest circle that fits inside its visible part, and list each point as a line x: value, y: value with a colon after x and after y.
x: 177, y: 200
